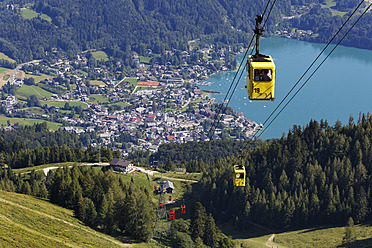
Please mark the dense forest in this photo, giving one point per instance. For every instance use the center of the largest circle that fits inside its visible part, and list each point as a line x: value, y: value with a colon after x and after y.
x: 103, y: 201
x: 34, y: 136
x: 27, y: 146
x: 317, y: 175
x: 159, y: 25
x: 320, y: 20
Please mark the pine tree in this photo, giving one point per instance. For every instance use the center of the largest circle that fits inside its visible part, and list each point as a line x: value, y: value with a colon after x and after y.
x: 140, y: 215
x: 26, y: 188
x: 210, y: 232
x: 349, y: 237
x: 198, y: 217
x: 43, y: 192
x: 169, y: 166
x: 87, y: 212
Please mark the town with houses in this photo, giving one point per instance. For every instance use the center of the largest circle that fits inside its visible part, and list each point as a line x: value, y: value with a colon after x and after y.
x: 145, y: 107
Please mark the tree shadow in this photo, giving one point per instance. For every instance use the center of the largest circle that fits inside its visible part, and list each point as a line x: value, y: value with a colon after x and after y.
x: 316, y: 228
x: 365, y: 243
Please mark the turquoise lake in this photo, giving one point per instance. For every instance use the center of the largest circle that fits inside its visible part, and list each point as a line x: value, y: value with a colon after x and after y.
x: 341, y: 88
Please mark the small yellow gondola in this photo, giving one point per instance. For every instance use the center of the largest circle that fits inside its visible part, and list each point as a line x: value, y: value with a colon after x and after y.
x: 239, y: 175
x: 260, y: 77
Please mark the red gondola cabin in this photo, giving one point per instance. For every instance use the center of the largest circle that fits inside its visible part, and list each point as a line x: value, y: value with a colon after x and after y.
x: 171, y: 214
x: 183, y: 209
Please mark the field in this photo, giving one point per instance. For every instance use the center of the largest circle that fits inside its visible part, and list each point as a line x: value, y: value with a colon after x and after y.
x: 28, y: 90
x: 96, y: 82
x: 45, y: 17
x: 36, y: 110
x: 29, y: 14
x: 320, y: 237
x: 3, y: 69
x: 132, y: 81
x: 5, y: 75
x: 145, y: 60
x: 3, y: 56
x: 98, y: 99
x: 40, y: 167
x: 121, y: 104
x: 24, y: 121
x: 331, y: 3
x: 61, y: 104
x: 100, y: 55
x: 30, y: 222
x: 40, y: 77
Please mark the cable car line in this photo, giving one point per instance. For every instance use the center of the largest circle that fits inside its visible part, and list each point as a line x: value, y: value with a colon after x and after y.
x: 266, y: 127
x: 257, y: 61
x: 366, y: 10
x: 236, y: 180
x: 307, y: 70
x: 304, y: 73
x: 213, y: 126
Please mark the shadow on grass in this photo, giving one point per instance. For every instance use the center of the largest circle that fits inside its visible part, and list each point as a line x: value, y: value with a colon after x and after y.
x: 317, y: 228
x: 365, y: 243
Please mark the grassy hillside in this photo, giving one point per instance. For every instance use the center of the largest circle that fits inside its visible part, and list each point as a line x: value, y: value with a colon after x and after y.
x: 30, y: 222
x: 26, y: 121
x: 28, y: 90
x: 36, y: 219
x: 320, y: 237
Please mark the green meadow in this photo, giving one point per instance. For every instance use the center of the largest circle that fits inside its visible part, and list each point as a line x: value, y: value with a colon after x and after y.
x: 100, y: 55
x: 30, y: 222
x: 3, y: 56
x: 29, y: 14
x: 28, y: 90
x: 61, y: 104
x: 98, y: 99
x: 53, y: 126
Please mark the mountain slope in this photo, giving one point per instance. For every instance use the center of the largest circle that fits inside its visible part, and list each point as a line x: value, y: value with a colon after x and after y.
x: 30, y: 222
x: 122, y: 26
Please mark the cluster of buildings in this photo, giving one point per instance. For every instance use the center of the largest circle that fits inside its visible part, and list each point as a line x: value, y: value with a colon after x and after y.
x: 149, y: 126
x: 165, y: 105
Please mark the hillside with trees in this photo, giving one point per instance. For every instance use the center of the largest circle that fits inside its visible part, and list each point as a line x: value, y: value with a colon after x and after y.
x: 158, y: 25
x: 317, y: 175
x: 27, y: 146
x: 56, y: 226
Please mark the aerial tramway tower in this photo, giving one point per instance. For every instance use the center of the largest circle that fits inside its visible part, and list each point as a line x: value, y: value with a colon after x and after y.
x: 162, y: 220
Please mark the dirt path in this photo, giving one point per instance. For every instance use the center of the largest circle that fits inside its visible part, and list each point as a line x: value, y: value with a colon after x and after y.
x: 66, y: 222
x: 270, y: 243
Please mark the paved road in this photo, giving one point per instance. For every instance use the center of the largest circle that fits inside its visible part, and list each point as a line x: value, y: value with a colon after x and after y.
x: 12, y: 78
x: 120, y: 82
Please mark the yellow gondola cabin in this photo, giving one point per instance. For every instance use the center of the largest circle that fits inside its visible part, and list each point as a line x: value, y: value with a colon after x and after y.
x: 260, y: 77
x: 239, y: 175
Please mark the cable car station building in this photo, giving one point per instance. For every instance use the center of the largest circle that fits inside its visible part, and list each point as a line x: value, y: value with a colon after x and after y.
x: 166, y: 187
x: 120, y: 165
